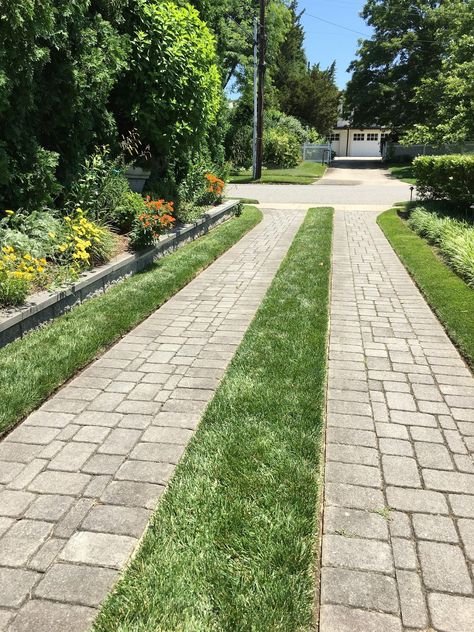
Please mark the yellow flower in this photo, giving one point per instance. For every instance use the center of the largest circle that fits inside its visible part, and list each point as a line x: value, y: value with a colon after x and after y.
x: 63, y: 247
x: 27, y: 257
x: 40, y: 269
x: 9, y: 212
x: 51, y: 235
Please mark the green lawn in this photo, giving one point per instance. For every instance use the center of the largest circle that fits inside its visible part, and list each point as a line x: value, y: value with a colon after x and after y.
x: 32, y: 368
x: 405, y: 173
x: 449, y: 297
x: 305, y: 173
x: 232, y: 545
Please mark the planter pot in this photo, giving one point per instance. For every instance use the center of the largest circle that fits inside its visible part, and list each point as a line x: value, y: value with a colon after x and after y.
x: 137, y: 178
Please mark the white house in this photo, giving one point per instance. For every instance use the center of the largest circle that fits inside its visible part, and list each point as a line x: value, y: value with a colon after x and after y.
x: 356, y: 142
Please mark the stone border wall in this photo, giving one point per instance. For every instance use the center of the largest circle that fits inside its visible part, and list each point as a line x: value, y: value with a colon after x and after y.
x: 45, y: 306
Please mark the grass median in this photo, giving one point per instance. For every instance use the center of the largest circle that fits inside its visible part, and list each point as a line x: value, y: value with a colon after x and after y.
x: 448, y: 296
x: 304, y: 173
x: 231, y: 546
x: 34, y: 367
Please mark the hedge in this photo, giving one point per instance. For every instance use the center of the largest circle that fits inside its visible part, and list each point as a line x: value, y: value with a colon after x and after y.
x: 446, y: 178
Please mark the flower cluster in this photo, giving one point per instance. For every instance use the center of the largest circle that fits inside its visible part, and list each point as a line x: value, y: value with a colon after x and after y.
x: 17, y: 275
x: 82, y: 239
x: 149, y: 225
x: 216, y: 185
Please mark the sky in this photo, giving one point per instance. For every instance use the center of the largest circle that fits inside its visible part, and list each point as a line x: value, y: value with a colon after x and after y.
x: 325, y: 42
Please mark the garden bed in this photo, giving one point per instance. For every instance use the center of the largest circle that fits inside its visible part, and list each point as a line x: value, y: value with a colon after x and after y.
x: 45, y: 306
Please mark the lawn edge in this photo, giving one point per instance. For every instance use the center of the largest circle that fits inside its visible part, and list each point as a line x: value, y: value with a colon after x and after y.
x: 445, y: 313
x: 4, y: 432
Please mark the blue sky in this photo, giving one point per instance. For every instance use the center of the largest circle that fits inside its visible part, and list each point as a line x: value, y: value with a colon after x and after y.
x: 326, y: 43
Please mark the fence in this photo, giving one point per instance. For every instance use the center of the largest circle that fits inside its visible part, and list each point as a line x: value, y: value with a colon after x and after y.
x: 392, y: 151
x: 317, y: 153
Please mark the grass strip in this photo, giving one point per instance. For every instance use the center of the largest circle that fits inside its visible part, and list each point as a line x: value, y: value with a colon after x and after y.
x: 35, y: 366
x: 304, y: 173
x: 447, y: 294
x: 231, y: 546
x: 405, y: 173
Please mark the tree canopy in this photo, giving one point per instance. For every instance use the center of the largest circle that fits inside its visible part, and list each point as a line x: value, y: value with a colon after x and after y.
x: 415, y: 75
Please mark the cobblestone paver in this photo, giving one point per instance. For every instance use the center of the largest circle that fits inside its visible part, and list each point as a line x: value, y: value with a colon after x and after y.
x: 81, y: 476
x: 398, y: 543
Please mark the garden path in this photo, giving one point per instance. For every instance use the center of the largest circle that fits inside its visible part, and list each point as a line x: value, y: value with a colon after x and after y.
x: 398, y: 542
x: 80, y: 477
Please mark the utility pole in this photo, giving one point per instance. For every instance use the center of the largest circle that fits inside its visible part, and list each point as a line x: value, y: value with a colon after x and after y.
x: 255, y: 96
x: 260, y: 92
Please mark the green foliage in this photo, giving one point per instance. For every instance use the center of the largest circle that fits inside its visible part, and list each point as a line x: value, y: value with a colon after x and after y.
x: 453, y: 237
x: 281, y: 149
x: 128, y: 208
x: 448, y: 97
x: 100, y: 185
x: 446, y: 178
x: 415, y: 73
x: 172, y: 92
x: 58, y: 64
x: 35, y: 234
x: 13, y: 290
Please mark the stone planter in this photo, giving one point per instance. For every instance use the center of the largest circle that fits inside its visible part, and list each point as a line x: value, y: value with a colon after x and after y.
x: 137, y: 178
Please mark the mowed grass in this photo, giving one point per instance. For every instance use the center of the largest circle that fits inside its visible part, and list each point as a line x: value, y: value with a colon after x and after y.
x: 405, y: 173
x: 304, y: 173
x: 35, y: 366
x: 232, y: 545
x: 449, y: 297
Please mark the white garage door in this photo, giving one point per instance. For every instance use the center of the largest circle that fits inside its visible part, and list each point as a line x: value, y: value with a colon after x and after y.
x: 365, y: 145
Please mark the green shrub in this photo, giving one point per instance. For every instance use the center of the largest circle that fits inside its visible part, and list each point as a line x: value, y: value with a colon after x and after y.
x: 281, y: 149
x: 13, y: 290
x: 453, y: 237
x: 446, y: 178
x: 100, y: 186
x: 172, y: 93
x: 129, y: 207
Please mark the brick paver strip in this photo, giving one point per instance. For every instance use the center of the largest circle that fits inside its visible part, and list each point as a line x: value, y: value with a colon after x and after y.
x: 80, y: 477
x: 399, y: 451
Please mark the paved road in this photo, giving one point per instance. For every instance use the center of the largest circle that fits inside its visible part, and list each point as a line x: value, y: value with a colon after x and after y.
x: 349, y: 180
x: 398, y: 543
x: 80, y: 477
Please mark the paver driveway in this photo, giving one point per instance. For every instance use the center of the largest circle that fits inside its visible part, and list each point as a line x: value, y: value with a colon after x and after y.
x: 80, y: 477
x: 398, y: 543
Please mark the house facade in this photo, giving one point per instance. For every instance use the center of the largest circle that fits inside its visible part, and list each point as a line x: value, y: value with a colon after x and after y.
x: 357, y: 142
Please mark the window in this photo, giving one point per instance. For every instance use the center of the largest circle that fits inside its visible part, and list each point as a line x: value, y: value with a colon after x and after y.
x: 384, y: 135
x: 372, y: 136
x: 358, y: 136
x: 335, y: 137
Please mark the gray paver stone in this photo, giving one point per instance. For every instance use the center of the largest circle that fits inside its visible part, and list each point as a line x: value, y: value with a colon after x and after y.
x: 22, y: 540
x: 129, y: 521
x: 372, y: 591
x: 66, y: 483
x: 132, y: 494
x: 98, y: 549
x: 412, y: 600
x: 47, y: 616
x: 15, y: 586
x: 444, y: 568
x: 70, y: 583
x: 451, y: 613
x: 341, y: 619
x: 361, y: 554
